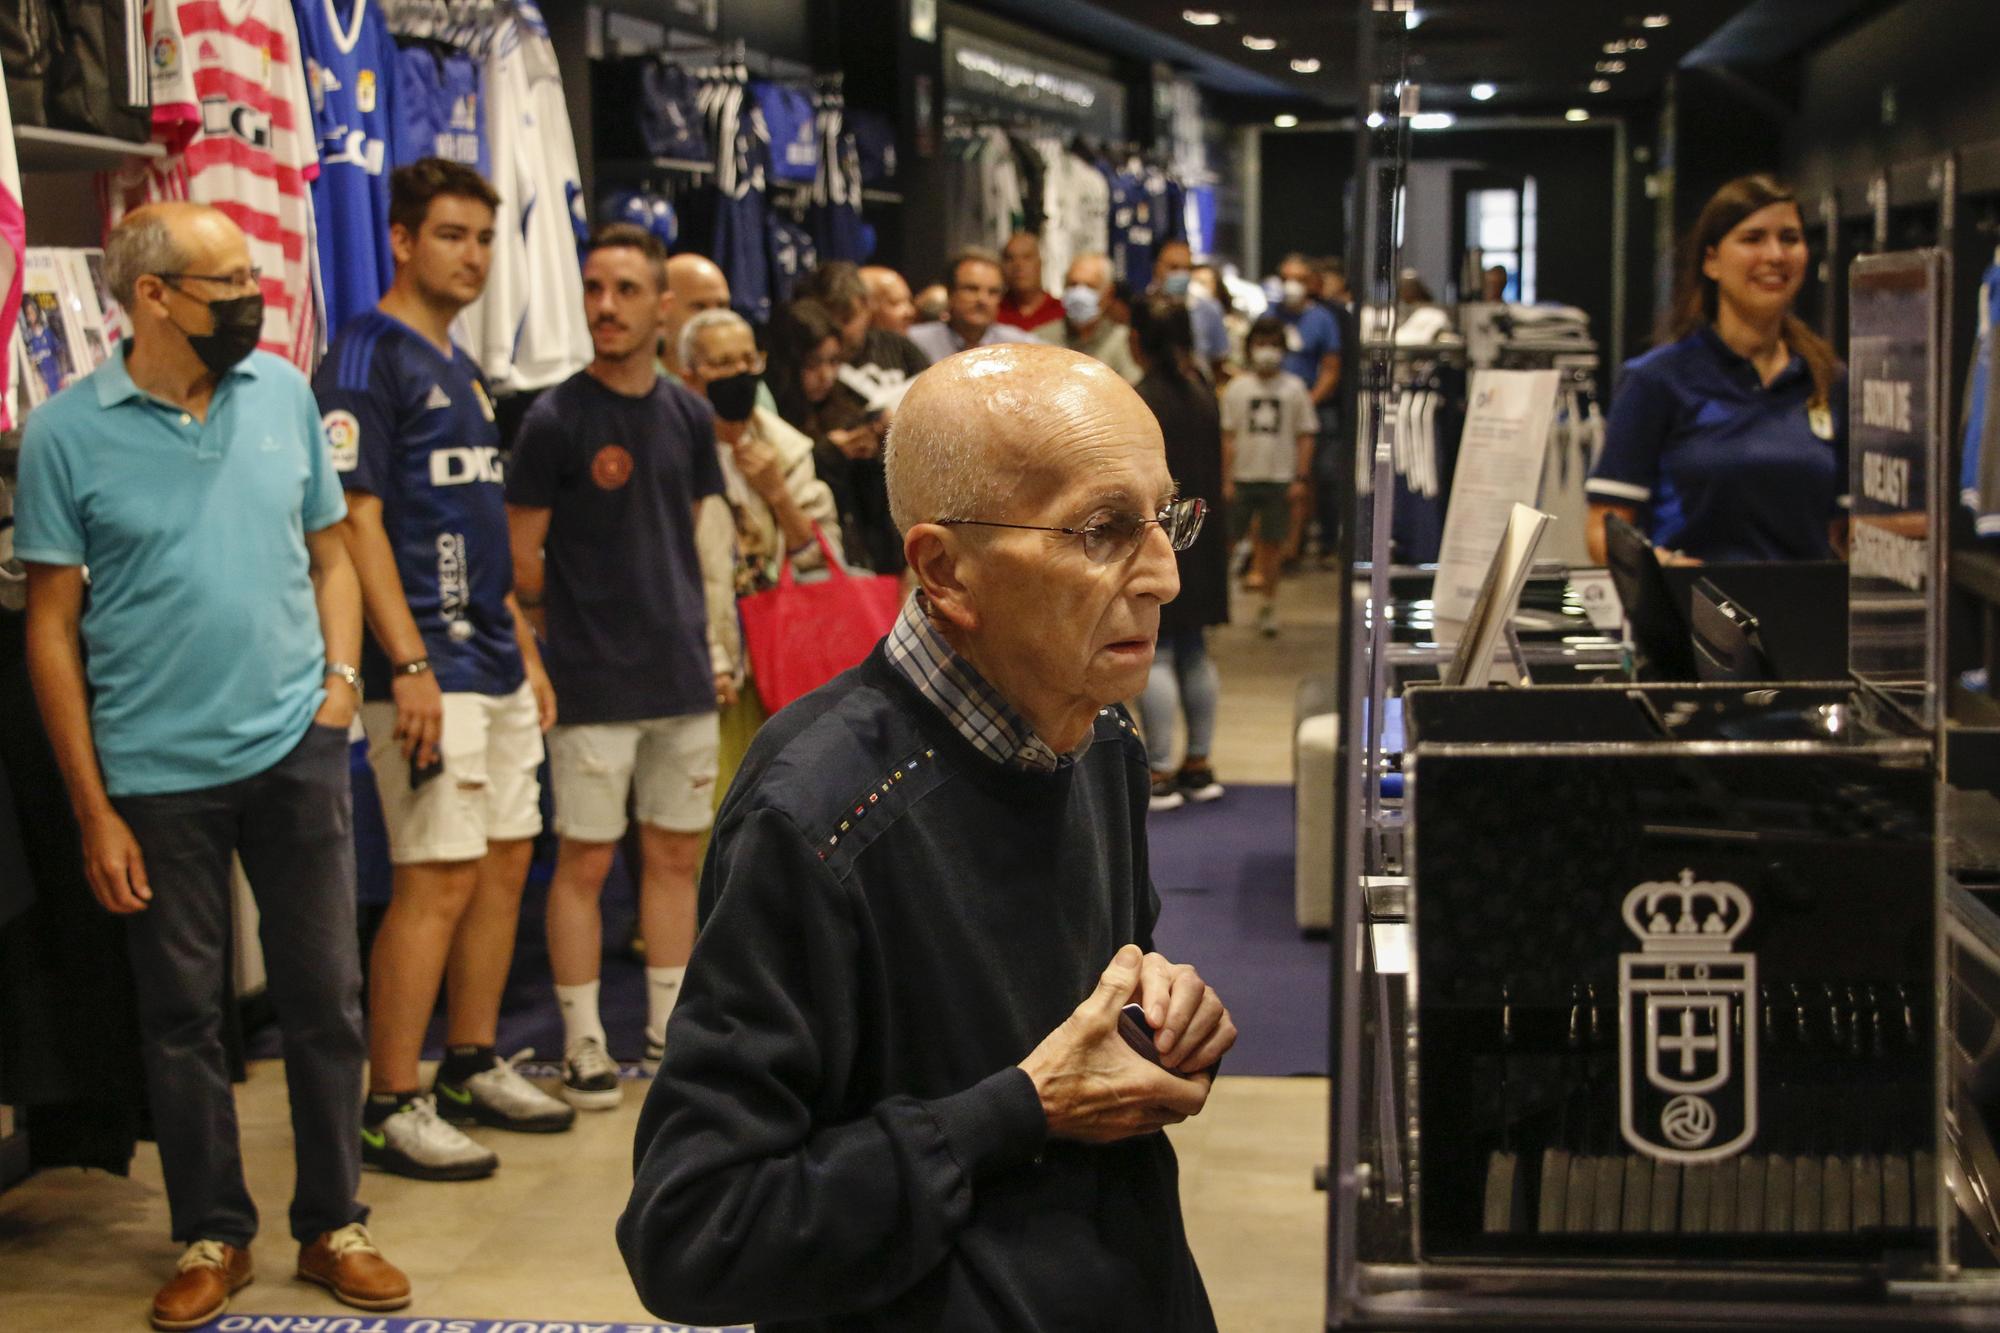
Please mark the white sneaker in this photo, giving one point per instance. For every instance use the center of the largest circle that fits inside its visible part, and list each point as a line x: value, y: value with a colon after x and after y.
x: 590, y: 1077
x: 500, y: 1097
x: 656, y: 1051
x: 415, y: 1142
x: 1267, y: 620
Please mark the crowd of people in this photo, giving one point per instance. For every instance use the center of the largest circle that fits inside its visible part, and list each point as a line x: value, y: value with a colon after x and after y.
x: 269, y: 562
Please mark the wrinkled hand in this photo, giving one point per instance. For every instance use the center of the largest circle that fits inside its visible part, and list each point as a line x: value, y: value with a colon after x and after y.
x: 114, y: 866
x: 544, y: 691
x: 1191, y: 1029
x: 419, y: 716
x: 1096, y: 1089
x: 758, y: 462
x: 725, y: 689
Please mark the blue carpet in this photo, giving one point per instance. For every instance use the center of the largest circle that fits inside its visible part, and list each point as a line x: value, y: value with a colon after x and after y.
x: 1224, y: 872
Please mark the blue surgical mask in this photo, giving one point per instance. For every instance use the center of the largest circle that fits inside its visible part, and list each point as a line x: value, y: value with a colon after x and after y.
x: 1082, y: 305
x: 1176, y: 284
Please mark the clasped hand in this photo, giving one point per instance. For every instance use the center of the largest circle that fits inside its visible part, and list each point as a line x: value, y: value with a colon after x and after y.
x: 1096, y: 1089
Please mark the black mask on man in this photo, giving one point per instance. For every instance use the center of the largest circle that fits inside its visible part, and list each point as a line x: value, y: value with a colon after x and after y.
x: 239, y: 325
x: 734, y: 397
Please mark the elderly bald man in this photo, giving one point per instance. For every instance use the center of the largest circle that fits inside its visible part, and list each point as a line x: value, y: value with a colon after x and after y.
x: 190, y: 473
x: 883, y: 1106
x: 697, y: 285
x: 1087, y: 325
x: 891, y: 308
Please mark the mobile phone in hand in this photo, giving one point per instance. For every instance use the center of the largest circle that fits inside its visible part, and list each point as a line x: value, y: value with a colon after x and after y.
x: 422, y: 773
x: 1137, y: 1032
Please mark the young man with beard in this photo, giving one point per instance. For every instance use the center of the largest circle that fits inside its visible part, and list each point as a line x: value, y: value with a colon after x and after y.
x: 456, y: 696
x: 604, y: 496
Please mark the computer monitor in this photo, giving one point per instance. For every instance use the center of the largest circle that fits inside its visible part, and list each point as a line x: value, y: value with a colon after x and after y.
x: 1727, y: 643
x: 1659, y: 631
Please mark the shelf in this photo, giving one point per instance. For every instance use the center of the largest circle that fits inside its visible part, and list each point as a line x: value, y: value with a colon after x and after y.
x: 42, y: 149
x: 640, y: 166
x: 873, y: 196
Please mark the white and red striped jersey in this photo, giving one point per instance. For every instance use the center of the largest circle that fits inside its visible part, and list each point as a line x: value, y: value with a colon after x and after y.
x: 230, y: 106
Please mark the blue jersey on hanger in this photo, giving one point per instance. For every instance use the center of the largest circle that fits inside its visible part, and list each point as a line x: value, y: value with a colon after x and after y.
x: 1978, y: 391
x: 440, y: 109
x: 742, y: 246
x: 350, y: 68
x: 794, y: 139
x: 414, y: 428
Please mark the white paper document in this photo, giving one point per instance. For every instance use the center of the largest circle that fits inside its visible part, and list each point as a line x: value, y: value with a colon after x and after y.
x: 1500, y: 456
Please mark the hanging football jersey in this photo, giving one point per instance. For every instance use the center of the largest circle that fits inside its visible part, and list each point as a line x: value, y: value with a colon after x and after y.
x: 350, y: 63
x: 13, y: 249
x: 528, y: 330
x: 439, y: 108
x: 1979, y: 474
x: 231, y: 107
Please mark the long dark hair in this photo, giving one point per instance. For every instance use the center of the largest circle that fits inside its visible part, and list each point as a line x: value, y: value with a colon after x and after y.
x: 1166, y: 336
x: 1694, y: 302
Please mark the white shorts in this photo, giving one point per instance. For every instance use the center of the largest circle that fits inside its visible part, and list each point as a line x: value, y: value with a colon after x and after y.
x: 667, y: 765
x: 491, y: 747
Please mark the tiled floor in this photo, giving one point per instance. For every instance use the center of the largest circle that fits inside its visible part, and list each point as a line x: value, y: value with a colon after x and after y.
x: 83, y: 1251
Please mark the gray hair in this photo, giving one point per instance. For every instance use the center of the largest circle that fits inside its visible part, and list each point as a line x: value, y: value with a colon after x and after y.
x: 691, y: 332
x: 958, y: 478
x: 139, y: 245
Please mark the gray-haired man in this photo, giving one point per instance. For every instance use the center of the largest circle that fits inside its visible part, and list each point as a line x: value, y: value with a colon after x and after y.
x: 189, y: 472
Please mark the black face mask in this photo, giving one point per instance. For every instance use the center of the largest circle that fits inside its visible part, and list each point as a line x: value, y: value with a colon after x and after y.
x: 734, y: 397
x: 239, y: 324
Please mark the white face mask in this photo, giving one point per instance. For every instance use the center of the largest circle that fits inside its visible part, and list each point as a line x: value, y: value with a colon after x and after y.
x: 1266, y: 358
x: 1295, y: 292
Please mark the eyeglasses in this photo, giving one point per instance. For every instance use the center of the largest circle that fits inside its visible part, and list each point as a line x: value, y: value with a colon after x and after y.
x: 1116, y: 536
x: 245, y: 278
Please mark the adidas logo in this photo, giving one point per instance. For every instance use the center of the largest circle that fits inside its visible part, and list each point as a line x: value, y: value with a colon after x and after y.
x: 437, y: 398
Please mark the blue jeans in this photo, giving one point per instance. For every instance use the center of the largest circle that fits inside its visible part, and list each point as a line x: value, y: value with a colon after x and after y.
x: 1183, y: 682
x: 293, y: 827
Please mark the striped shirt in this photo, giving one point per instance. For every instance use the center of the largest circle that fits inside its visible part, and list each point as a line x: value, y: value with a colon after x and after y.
x: 231, y: 107
x: 966, y: 698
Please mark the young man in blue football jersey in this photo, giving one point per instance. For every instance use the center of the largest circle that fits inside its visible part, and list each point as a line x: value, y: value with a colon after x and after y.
x: 456, y: 696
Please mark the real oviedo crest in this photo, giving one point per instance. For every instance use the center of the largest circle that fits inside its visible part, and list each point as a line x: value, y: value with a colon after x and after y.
x: 1687, y: 1023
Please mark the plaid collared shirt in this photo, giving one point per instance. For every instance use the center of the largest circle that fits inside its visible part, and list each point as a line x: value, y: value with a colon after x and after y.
x: 965, y: 697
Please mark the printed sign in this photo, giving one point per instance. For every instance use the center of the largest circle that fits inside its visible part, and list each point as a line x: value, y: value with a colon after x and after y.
x: 1687, y: 1023
x: 1896, y: 439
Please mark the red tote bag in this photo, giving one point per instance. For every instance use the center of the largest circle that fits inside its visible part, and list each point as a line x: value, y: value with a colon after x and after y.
x: 802, y: 635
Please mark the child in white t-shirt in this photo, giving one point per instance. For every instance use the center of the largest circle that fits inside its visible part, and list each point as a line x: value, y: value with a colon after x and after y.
x: 1268, y: 427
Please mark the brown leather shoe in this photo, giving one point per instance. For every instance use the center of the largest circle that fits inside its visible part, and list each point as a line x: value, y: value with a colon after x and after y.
x: 209, y: 1272
x: 347, y: 1264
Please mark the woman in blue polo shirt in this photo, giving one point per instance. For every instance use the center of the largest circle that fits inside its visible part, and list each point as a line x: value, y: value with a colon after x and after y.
x: 1730, y: 442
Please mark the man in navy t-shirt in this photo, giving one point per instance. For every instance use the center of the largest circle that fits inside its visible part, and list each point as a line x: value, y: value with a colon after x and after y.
x: 604, y: 493
x: 456, y: 695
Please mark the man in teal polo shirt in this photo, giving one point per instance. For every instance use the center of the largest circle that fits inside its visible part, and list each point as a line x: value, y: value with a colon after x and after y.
x: 189, y: 476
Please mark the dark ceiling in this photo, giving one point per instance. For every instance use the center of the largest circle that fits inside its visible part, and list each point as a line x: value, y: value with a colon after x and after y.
x: 1541, y: 55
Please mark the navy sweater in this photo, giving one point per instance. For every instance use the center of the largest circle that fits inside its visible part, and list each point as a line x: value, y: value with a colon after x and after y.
x: 839, y: 1138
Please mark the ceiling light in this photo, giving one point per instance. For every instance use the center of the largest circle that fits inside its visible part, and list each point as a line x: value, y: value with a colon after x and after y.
x: 1483, y: 92
x: 1616, y: 48
x: 1576, y: 113
x: 1655, y: 21
x: 1201, y: 18
x: 1411, y: 18
x: 1610, y: 67
x: 1600, y: 85
x: 1285, y: 122
x: 1261, y: 43
x: 1635, y: 44
x: 1375, y: 120
x: 1310, y: 65
x: 1433, y: 120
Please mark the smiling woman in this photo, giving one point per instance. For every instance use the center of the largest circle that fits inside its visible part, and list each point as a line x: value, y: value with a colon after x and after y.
x: 1729, y: 441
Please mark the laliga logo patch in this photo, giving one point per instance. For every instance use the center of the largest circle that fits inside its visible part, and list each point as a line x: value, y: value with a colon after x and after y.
x: 364, y: 92
x: 485, y: 403
x: 343, y: 438
x: 1687, y: 1023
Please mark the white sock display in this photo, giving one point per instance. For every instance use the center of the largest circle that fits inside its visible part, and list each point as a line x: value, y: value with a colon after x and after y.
x: 663, y: 987
x: 579, y: 1014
